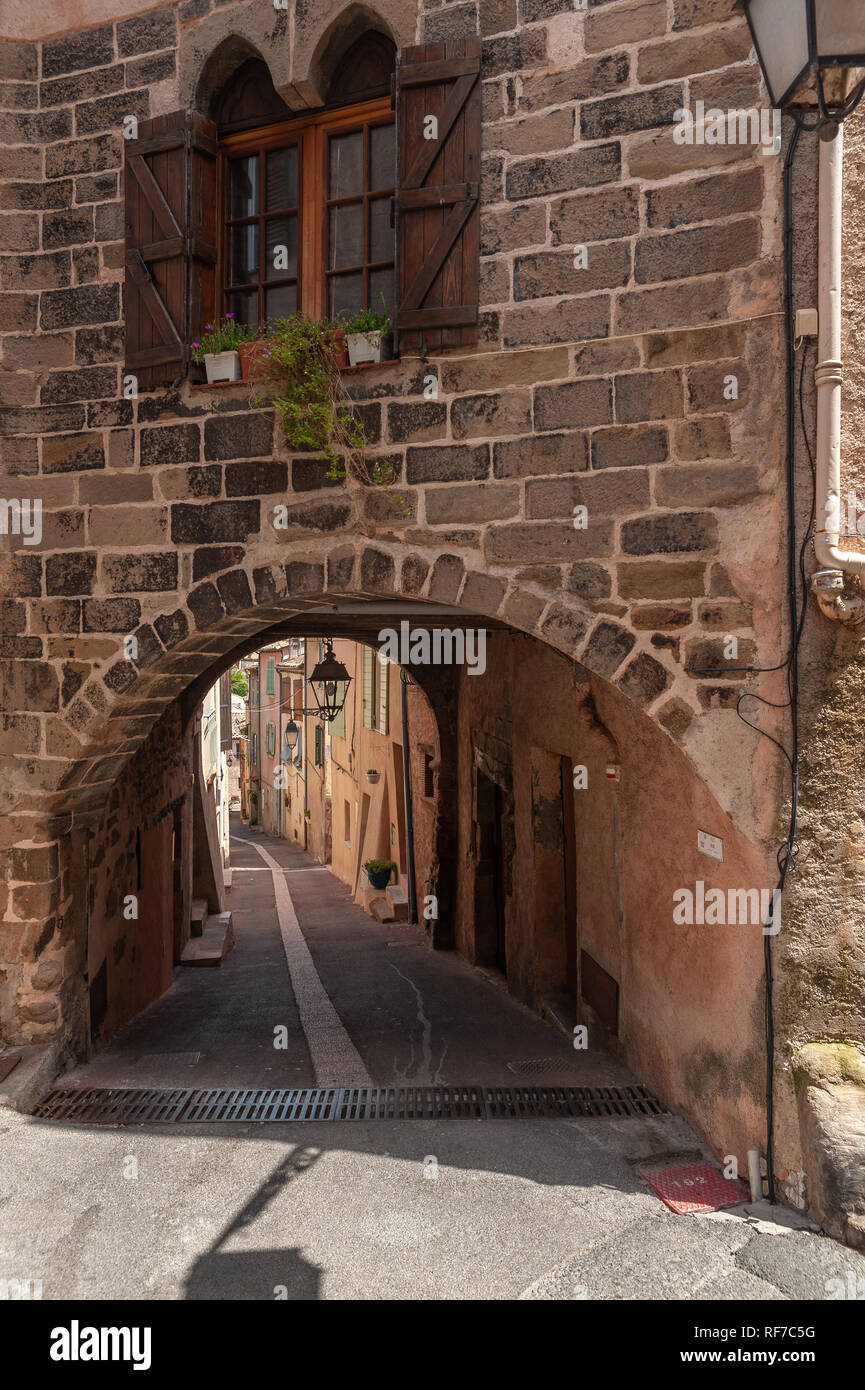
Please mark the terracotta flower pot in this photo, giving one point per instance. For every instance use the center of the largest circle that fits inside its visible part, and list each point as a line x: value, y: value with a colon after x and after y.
x: 253, y: 357
x: 339, y: 351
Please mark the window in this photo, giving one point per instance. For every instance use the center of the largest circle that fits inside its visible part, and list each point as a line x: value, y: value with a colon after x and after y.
x: 251, y: 209
x: 337, y: 727
x: 307, y: 218
x: 376, y: 678
x: 319, y: 746
x: 270, y: 738
x: 347, y: 822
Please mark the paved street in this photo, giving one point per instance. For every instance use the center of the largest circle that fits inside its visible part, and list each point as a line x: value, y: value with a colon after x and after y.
x: 534, y: 1209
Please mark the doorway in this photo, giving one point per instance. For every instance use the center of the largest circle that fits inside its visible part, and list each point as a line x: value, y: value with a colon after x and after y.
x: 490, y: 896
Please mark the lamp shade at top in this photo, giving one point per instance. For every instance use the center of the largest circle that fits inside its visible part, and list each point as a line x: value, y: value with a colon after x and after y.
x: 796, y: 37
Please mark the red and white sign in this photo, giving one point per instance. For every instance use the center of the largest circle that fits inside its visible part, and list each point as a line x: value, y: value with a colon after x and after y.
x: 694, y: 1187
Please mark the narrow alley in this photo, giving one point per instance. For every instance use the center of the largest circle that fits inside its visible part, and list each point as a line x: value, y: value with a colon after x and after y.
x: 404, y: 1015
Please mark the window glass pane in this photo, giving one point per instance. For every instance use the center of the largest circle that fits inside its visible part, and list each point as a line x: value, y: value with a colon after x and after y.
x: 381, y: 286
x: 281, y: 179
x: 243, y: 182
x: 280, y: 302
x: 345, y: 294
x: 345, y: 158
x: 381, y: 157
x: 244, y: 306
x: 381, y: 233
x: 346, y: 237
x: 281, y: 251
x: 243, y: 255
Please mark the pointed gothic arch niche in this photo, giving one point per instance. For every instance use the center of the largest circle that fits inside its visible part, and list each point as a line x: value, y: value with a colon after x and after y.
x: 354, y: 58
x: 235, y: 88
x: 364, y: 71
x: 249, y: 99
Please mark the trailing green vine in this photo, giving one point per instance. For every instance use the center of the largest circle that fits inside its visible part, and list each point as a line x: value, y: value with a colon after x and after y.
x: 295, y: 370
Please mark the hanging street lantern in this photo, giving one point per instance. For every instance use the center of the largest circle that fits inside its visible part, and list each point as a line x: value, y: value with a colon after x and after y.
x: 330, y: 681
x: 290, y: 739
x: 809, y: 51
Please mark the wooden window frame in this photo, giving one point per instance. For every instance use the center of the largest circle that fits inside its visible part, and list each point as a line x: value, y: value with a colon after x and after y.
x: 311, y: 134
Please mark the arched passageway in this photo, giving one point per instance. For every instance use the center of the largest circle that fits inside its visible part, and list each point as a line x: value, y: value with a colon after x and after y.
x: 562, y: 829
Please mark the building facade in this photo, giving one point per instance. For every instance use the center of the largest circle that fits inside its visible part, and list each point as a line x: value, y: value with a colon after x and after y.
x: 583, y: 442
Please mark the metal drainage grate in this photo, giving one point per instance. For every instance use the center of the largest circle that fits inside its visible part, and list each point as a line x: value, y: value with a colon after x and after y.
x: 542, y: 1066
x: 131, y: 1107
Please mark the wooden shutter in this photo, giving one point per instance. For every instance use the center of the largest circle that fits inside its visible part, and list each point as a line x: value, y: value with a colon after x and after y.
x: 383, y: 692
x: 225, y: 730
x: 171, y: 206
x: 438, y: 193
x: 369, y: 657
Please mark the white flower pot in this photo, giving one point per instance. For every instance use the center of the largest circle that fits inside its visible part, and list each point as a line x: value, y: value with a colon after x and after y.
x: 222, y: 366
x: 363, y: 347
x: 373, y: 777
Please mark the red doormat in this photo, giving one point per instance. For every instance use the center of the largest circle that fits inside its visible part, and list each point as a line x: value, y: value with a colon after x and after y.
x: 692, y: 1187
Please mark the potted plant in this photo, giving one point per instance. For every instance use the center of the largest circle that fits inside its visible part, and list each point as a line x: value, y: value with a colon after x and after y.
x: 378, y: 871
x: 372, y: 775
x: 217, y: 349
x: 363, y: 334
x: 252, y: 351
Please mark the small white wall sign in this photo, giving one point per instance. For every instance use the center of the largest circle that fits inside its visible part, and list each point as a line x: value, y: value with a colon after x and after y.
x: 710, y: 844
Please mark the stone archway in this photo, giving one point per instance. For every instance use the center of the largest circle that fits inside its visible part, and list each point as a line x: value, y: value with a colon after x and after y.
x: 537, y: 689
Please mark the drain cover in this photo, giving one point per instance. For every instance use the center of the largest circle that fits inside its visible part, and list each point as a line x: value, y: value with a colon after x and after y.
x: 694, y: 1187
x: 131, y: 1107
x: 541, y: 1066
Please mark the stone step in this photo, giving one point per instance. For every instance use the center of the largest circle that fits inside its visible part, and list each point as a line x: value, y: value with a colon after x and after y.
x: 198, y: 916
x: 398, y: 901
x: 226, y: 878
x: 214, y: 945
x: 381, y: 910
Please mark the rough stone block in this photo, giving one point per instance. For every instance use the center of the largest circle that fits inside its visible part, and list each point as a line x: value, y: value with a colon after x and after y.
x: 70, y: 574
x: 697, y: 251
x: 574, y: 404
x: 153, y: 572
x: 562, y: 173
x: 621, y: 115
x: 448, y: 463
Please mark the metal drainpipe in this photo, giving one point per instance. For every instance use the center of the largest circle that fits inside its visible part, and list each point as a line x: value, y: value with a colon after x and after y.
x: 838, y: 598
x: 409, y: 813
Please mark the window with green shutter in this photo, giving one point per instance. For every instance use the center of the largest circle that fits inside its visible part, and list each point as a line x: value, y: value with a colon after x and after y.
x: 271, y: 668
x: 376, y: 678
x: 383, y: 674
x: 319, y: 745
x: 368, y: 687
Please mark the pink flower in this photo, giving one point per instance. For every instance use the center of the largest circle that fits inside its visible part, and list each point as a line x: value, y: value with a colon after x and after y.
x: 229, y: 316
x: 196, y: 345
x: 207, y: 328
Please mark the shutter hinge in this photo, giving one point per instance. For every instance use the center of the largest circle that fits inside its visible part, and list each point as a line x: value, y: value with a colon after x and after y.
x: 143, y: 264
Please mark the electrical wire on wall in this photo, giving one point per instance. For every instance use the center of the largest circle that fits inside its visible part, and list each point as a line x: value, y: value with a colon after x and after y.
x: 797, y: 601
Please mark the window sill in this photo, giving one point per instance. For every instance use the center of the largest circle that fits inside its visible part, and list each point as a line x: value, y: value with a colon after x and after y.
x: 343, y: 371
x: 365, y: 366
x: 218, y: 385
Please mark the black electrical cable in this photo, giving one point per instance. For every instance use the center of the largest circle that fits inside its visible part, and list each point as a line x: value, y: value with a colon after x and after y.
x: 797, y: 599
